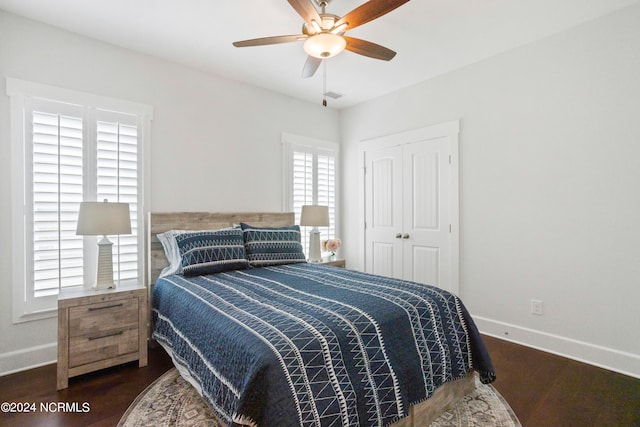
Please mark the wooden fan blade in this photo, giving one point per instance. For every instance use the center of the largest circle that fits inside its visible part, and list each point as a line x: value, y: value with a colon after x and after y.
x: 306, y: 10
x: 270, y: 40
x: 310, y: 66
x: 372, y: 50
x: 368, y: 12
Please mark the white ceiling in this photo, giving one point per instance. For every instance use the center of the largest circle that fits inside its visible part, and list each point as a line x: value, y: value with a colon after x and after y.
x: 431, y: 37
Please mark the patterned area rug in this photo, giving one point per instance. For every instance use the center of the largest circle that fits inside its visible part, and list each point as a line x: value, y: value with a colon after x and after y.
x: 171, y: 401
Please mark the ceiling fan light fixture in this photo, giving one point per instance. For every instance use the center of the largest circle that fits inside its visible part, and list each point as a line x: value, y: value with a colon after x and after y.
x: 324, y: 45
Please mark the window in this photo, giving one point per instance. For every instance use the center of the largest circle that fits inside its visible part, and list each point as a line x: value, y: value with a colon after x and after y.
x: 311, y: 179
x: 68, y: 147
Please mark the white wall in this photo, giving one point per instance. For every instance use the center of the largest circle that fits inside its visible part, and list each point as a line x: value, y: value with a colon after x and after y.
x: 215, y: 143
x: 549, y: 186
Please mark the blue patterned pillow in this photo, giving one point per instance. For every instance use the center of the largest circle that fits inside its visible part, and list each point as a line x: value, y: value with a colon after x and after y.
x: 206, y: 252
x: 272, y: 246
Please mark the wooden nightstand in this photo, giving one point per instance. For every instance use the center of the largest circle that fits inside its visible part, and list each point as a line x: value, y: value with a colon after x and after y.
x: 335, y: 262
x: 99, y: 329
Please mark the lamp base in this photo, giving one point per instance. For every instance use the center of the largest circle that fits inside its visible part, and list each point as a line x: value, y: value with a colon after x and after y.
x: 314, y: 246
x: 104, y: 276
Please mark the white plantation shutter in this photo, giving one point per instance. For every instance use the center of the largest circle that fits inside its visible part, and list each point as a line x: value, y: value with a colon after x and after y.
x: 57, y: 182
x: 302, y: 187
x: 312, y: 180
x: 64, y: 175
x: 326, y: 191
x: 117, y: 181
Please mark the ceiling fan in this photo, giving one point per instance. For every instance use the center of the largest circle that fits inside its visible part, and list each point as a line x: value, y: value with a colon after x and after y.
x: 323, y: 32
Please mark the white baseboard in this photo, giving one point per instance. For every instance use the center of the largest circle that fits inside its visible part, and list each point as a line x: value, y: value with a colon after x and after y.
x: 603, y: 357
x: 29, y: 358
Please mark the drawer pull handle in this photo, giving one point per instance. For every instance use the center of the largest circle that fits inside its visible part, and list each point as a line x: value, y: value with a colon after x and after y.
x: 106, y: 306
x: 113, y: 334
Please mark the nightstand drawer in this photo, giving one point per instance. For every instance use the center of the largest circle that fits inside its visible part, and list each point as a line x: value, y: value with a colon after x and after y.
x: 101, y: 317
x: 102, y: 345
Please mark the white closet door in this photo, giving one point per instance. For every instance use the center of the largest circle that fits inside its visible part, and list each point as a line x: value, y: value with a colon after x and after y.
x: 426, y: 212
x: 383, y: 182
x: 411, y: 206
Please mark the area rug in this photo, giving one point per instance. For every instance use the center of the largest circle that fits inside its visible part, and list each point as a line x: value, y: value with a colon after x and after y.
x: 170, y: 401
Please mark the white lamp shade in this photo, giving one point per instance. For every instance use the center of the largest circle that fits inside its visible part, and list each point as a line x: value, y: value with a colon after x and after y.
x: 314, y: 216
x: 324, y: 45
x: 103, y: 219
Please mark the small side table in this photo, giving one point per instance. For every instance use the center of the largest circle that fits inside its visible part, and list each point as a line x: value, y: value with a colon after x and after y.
x: 100, y: 329
x: 334, y: 262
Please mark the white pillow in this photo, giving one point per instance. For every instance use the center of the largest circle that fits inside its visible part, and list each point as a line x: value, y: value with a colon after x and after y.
x: 171, y: 251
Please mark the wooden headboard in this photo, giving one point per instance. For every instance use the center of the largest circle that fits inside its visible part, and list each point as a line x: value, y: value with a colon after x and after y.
x: 164, y: 221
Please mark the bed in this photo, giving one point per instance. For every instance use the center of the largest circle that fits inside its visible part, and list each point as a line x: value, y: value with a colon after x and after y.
x: 294, y: 343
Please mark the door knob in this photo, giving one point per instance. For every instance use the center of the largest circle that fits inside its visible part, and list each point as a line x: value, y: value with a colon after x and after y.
x: 405, y: 236
x: 398, y: 236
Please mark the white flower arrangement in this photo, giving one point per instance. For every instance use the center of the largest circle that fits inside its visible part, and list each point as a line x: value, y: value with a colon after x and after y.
x: 331, y: 245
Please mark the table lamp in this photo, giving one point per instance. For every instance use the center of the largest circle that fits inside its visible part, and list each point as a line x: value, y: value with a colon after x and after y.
x: 104, y: 219
x: 314, y: 216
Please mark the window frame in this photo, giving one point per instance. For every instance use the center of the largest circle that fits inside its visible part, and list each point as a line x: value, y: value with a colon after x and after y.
x: 25, y: 306
x: 292, y: 143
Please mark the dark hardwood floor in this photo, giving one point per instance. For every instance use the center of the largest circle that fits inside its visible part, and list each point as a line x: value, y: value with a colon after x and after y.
x: 548, y: 390
x: 108, y: 392
x: 543, y: 390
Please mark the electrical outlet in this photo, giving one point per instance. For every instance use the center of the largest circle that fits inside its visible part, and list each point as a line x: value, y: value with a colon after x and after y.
x: 536, y: 307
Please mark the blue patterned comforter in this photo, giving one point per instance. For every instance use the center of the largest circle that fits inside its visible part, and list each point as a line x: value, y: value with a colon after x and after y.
x: 312, y: 345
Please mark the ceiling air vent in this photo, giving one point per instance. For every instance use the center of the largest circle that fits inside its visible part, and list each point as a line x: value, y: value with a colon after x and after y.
x: 333, y: 95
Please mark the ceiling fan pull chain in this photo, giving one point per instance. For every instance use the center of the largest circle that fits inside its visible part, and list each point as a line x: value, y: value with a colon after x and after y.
x: 324, y: 83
